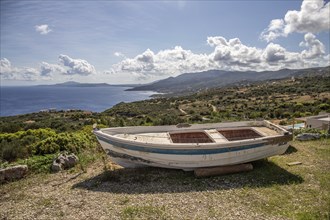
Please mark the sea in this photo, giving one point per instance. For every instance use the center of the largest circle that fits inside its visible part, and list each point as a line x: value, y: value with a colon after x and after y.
x: 28, y: 99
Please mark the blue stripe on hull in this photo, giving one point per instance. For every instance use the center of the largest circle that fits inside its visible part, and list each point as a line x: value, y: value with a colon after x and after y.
x: 200, y: 151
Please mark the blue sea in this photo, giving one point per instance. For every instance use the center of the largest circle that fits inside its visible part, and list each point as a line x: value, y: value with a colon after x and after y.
x: 22, y: 100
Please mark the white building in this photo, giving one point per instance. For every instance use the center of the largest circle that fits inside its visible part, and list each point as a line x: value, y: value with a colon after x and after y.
x: 318, y: 122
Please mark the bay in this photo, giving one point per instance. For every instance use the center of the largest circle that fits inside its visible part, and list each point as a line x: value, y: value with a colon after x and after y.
x: 28, y: 99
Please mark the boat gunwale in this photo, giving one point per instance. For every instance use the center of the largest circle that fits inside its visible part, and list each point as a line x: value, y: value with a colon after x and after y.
x: 125, y: 148
x: 213, y: 145
x: 172, y: 145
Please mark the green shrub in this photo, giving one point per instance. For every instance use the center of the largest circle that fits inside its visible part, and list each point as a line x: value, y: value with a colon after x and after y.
x: 24, y: 144
x: 71, y: 142
x: 16, y: 145
x: 11, y: 150
x: 323, y: 133
x: 38, y: 164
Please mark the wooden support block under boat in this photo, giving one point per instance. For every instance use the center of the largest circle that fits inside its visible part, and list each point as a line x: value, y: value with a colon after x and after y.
x: 215, y: 171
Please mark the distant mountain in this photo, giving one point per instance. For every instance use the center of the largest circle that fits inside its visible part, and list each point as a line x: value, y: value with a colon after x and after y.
x: 192, y: 82
x: 77, y: 84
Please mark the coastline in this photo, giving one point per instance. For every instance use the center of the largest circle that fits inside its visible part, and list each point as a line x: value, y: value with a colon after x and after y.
x: 19, y: 100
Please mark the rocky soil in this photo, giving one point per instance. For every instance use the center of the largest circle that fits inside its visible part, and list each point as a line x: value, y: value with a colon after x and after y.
x: 283, y: 193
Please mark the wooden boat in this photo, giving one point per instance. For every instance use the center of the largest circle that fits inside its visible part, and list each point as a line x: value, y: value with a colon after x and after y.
x: 194, y: 146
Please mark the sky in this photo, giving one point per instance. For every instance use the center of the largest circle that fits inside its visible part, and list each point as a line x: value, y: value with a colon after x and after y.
x: 118, y: 42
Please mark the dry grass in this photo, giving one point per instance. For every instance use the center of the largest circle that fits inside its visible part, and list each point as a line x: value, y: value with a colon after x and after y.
x: 308, y: 98
x: 272, y: 190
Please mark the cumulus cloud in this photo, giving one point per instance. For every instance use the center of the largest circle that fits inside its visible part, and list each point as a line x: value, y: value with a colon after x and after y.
x: 46, y: 71
x: 274, y: 53
x: 315, y: 47
x: 229, y: 54
x: 5, y: 65
x: 76, y: 66
x: 233, y: 54
x: 42, y: 29
x: 165, y: 62
x: 313, y: 17
x: 8, y: 72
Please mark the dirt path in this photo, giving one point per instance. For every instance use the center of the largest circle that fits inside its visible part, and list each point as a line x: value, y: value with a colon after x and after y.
x: 183, y: 111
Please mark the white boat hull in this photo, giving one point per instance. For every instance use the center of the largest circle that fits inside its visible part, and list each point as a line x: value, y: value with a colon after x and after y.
x: 128, y: 153
x: 190, y: 162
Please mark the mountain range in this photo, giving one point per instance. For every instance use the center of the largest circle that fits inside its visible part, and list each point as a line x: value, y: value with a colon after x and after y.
x: 77, y: 84
x: 192, y: 82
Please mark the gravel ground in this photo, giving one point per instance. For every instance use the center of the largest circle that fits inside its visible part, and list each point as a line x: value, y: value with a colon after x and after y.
x: 126, y: 194
x: 273, y: 190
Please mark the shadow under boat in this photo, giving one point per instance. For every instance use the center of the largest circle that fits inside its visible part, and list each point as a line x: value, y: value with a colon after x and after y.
x: 159, y: 180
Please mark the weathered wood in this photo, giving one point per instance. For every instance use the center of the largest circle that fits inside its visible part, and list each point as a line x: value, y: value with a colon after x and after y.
x: 215, y: 171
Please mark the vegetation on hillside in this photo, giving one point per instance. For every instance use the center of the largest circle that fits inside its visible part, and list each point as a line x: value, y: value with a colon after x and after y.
x: 40, y: 134
x: 36, y: 139
x: 277, y: 99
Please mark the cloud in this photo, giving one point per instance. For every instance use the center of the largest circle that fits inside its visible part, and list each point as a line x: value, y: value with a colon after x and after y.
x: 315, y: 47
x: 76, y: 66
x: 226, y: 54
x: 165, y: 62
x: 313, y: 17
x: 47, y: 69
x: 42, y: 29
x: 274, y: 53
x: 119, y: 54
x: 8, y: 72
x: 5, y: 65
x: 229, y: 54
x: 233, y: 54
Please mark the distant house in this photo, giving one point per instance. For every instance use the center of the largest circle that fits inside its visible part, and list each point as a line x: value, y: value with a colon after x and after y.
x: 48, y: 110
x: 319, y: 122
x: 29, y: 122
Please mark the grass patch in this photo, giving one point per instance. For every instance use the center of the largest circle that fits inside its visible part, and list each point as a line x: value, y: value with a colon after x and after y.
x: 308, y: 198
x: 144, y: 212
x: 123, y: 201
x: 37, y: 164
x: 87, y: 157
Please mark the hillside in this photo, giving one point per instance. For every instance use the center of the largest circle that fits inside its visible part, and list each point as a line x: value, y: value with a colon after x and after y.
x: 97, y: 184
x: 192, y: 82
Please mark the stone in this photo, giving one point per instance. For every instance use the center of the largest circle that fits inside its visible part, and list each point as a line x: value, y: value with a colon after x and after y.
x: 71, y: 160
x: 56, y: 167
x: 307, y: 136
x: 294, y: 163
x: 64, y: 161
x: 13, y: 173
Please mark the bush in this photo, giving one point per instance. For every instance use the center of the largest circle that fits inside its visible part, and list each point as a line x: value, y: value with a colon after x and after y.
x: 38, y: 164
x: 324, y: 106
x: 16, y: 145
x: 71, y: 142
x: 11, y: 150
x: 323, y: 133
x: 24, y: 144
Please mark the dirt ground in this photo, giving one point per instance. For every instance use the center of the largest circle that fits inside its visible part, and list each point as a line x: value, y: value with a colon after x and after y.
x: 152, y: 193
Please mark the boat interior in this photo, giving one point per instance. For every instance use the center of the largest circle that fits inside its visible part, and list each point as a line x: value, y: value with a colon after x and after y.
x: 190, y: 137
x: 239, y: 134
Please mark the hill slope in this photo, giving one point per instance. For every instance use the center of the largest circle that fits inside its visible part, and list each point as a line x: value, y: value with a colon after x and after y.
x: 191, y: 82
